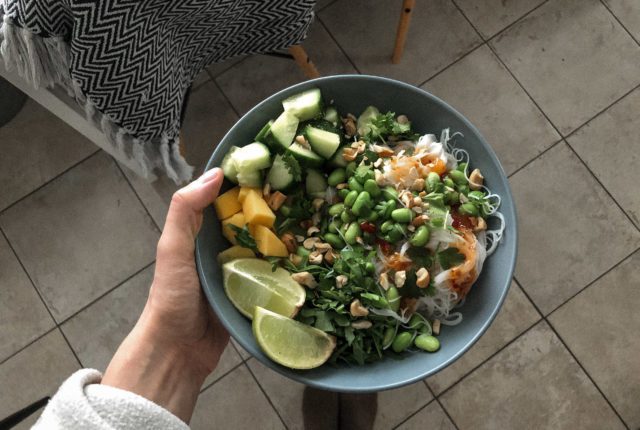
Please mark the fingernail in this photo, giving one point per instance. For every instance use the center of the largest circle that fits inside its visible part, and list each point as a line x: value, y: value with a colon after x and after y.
x: 210, y: 175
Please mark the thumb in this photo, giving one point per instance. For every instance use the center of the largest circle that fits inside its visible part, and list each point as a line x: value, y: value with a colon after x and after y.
x: 185, y: 213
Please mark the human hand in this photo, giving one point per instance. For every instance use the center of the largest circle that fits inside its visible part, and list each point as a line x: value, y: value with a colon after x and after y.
x: 178, y: 340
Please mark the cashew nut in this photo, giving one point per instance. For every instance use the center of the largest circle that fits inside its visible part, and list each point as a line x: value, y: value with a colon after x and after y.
x: 476, y: 180
x: 423, y: 278
x: 305, y: 279
x: 357, y: 310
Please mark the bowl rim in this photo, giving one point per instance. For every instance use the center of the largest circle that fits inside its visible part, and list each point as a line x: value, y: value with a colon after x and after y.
x: 508, y: 196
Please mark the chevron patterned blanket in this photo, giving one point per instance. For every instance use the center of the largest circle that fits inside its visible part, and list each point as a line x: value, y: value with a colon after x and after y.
x: 129, y: 63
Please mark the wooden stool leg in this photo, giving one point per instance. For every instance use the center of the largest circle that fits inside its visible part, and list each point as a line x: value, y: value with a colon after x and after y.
x: 303, y: 60
x: 403, y: 28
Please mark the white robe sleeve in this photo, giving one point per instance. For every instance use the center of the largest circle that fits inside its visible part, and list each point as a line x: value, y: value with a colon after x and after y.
x: 82, y: 403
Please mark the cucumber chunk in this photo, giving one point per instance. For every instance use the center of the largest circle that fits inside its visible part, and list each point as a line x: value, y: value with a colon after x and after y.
x: 284, y: 129
x: 305, y: 156
x: 250, y: 178
x: 254, y: 156
x: 264, y: 131
x: 279, y: 176
x: 331, y: 115
x: 229, y: 166
x: 305, y: 105
x: 365, y: 118
x: 338, y: 160
x: 323, y: 142
x: 316, y: 184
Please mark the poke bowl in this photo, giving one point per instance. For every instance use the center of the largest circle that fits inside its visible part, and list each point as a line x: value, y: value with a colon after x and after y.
x: 432, y: 122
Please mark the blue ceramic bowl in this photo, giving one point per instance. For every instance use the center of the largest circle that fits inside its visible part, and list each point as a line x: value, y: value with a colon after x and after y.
x: 428, y: 114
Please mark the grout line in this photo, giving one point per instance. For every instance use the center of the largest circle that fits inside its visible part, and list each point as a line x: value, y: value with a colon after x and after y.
x: 353, y: 64
x: 437, y: 399
x: 535, y: 158
x: 233, y: 108
x: 110, y: 290
x: 219, y: 378
x: 64, y: 336
x: 553, y: 329
x: 13, y: 354
x: 265, y: 394
x: 603, y: 187
x: 226, y: 69
x: 619, y: 22
x: 326, y: 6
x: 508, y: 27
x: 146, y: 209
x: 44, y: 184
x: 456, y: 61
x: 470, y: 22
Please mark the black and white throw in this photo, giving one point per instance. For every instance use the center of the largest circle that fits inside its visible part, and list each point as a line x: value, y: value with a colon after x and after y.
x: 131, y: 62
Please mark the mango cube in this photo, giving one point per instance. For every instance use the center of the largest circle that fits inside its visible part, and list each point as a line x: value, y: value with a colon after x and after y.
x: 244, y: 191
x: 235, y: 219
x: 227, y: 204
x: 256, y: 210
x: 268, y: 243
x: 233, y: 253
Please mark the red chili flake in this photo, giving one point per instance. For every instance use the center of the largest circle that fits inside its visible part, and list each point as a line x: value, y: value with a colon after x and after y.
x: 385, y: 246
x: 368, y: 227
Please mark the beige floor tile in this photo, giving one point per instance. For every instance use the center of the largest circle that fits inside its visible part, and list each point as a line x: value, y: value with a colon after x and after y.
x: 573, y: 58
x: 229, y: 359
x: 366, y: 30
x: 565, y: 218
x: 29, y: 421
x: 320, y: 4
x: 217, y: 69
x: 607, y: 312
x: 98, y: 330
x: 200, y: 79
x: 23, y: 316
x: 235, y: 402
x: 393, y: 406
x: 517, y: 315
x: 628, y: 12
x: 494, y: 102
x: 432, y: 417
x: 243, y: 352
x: 259, y: 76
x: 610, y: 146
x: 35, y: 372
x: 155, y: 196
x: 81, y: 235
x: 36, y: 146
x: 533, y: 383
x: 491, y: 16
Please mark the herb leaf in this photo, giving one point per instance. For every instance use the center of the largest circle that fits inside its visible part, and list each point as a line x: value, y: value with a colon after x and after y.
x: 244, y: 238
x: 450, y: 257
x: 293, y: 166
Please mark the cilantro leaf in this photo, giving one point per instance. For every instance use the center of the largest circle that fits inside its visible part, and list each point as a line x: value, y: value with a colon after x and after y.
x: 293, y: 166
x: 449, y: 258
x: 244, y: 238
x: 385, y: 125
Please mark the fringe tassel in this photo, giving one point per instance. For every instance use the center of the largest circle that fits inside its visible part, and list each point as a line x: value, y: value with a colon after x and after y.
x: 45, y: 62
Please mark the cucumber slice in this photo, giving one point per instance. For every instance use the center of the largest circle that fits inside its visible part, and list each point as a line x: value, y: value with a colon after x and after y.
x: 365, y: 119
x: 305, y: 105
x: 262, y: 134
x: 305, y: 156
x: 254, y: 156
x: 229, y: 166
x: 284, y: 129
x: 279, y: 176
x: 331, y: 115
x: 323, y: 142
x: 250, y: 178
x: 338, y: 160
x: 316, y: 184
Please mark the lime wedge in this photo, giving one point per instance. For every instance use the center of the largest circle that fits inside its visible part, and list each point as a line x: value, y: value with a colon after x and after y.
x: 289, y: 342
x: 249, y: 282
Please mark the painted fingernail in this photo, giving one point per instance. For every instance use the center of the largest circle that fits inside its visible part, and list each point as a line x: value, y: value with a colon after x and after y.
x: 210, y: 175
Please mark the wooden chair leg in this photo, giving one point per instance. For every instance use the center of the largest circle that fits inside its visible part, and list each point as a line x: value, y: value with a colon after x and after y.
x: 304, y: 62
x: 403, y: 28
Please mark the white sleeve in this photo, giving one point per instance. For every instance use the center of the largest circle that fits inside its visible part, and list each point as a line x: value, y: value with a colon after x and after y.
x: 82, y: 403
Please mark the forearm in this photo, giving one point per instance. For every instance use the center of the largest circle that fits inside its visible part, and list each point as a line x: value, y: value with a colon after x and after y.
x: 159, y: 372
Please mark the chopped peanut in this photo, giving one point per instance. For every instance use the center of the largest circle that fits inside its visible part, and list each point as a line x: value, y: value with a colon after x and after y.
x: 399, y: 278
x: 315, y: 257
x: 423, y: 278
x: 435, y: 327
x: 361, y: 325
x: 310, y: 242
x: 357, y: 310
x: 341, y: 281
x: 276, y: 200
x: 305, y: 279
x: 290, y: 242
x: 384, y: 280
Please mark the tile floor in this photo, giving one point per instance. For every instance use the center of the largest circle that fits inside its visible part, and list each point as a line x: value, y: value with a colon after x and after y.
x: 553, y: 85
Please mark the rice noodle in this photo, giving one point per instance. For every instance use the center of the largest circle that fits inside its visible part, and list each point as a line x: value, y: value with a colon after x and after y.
x: 389, y: 313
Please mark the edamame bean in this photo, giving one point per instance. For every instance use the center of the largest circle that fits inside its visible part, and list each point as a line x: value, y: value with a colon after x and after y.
x: 355, y: 185
x: 401, y: 341
x: 393, y: 297
x: 352, y: 233
x: 369, y: 267
x: 336, y: 209
x: 463, y: 189
x: 462, y: 166
x: 372, y: 188
x: 427, y: 342
x: 395, y: 234
x: 334, y: 240
x: 389, y: 335
x: 363, y: 201
x: 448, y: 183
x: 458, y: 177
x: 343, y: 193
x: 386, y: 226
x: 351, y: 168
x: 468, y: 209
x: 476, y: 195
x: 334, y: 226
x: 402, y: 215
x: 350, y: 198
x: 285, y: 210
x: 346, y: 216
x: 389, y: 193
x: 363, y: 173
x: 420, y: 237
x: 336, y: 177
x: 451, y: 197
x: 373, y: 216
x: 433, y: 179
x: 302, y: 251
